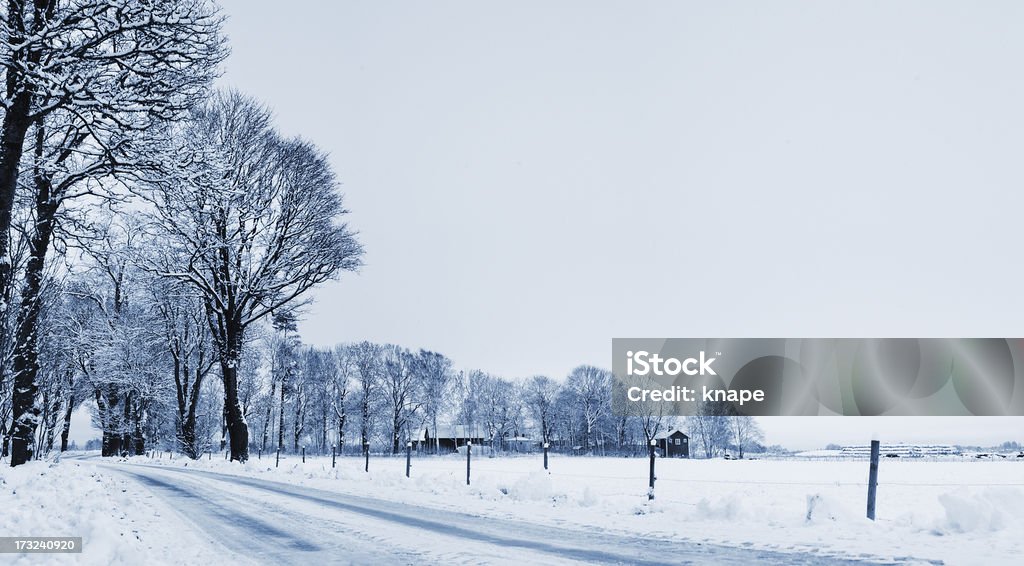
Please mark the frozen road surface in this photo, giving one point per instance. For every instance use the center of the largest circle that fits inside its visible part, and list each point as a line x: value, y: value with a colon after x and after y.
x: 265, y: 522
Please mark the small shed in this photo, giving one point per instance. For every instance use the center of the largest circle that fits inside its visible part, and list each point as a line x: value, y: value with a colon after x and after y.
x: 520, y: 444
x: 673, y: 443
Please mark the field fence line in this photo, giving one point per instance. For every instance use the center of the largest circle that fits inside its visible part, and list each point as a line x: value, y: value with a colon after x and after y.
x: 766, y: 482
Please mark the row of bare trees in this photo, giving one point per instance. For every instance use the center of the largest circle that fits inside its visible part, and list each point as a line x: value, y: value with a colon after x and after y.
x: 136, y: 347
x: 147, y: 224
x: 353, y: 395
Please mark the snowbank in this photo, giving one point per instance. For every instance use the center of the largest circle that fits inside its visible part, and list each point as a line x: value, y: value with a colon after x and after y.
x: 989, y: 511
x: 118, y: 525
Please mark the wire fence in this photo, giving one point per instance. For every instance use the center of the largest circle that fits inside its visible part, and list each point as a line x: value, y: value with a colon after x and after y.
x: 752, y: 482
x: 437, y: 464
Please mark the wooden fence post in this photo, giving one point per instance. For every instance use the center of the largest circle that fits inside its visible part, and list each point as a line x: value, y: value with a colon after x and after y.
x: 469, y: 452
x: 545, y: 455
x: 650, y: 491
x: 873, y: 479
x: 408, y: 457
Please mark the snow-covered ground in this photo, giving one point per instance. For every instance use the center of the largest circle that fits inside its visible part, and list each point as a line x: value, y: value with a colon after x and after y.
x: 147, y: 510
x: 959, y: 511
x: 118, y: 524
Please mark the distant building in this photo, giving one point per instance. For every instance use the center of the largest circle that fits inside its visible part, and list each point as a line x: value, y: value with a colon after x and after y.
x: 673, y: 443
x: 520, y: 444
x: 448, y: 437
x: 903, y: 450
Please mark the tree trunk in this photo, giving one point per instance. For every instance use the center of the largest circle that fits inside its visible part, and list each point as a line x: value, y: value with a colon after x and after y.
x: 111, y: 440
x: 224, y: 426
x: 437, y: 441
x: 396, y: 427
x: 47, y: 432
x: 326, y: 425
x: 26, y: 354
x: 238, y: 430
x: 364, y: 429
x: 280, y: 422
x: 16, y: 123
x: 6, y: 439
x: 126, y: 420
x: 138, y: 445
x: 103, y: 408
x: 180, y: 390
x: 266, y: 421
x: 12, y: 143
x: 53, y: 417
x: 341, y: 433
x: 188, y: 401
x: 300, y: 418
x: 188, y: 439
x: 66, y: 429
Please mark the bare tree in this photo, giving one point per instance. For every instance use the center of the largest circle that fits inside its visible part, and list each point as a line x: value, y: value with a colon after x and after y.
x: 116, y: 334
x: 320, y: 375
x: 541, y: 394
x: 368, y: 361
x: 652, y: 416
x: 497, y: 408
x: 746, y: 433
x: 710, y: 424
x: 399, y: 388
x: 117, y: 65
x: 590, y: 389
x: 299, y: 401
x: 56, y: 370
x: 186, y: 338
x: 346, y: 372
x: 8, y: 296
x: 251, y: 224
x: 283, y: 366
x: 436, y: 378
x: 470, y: 384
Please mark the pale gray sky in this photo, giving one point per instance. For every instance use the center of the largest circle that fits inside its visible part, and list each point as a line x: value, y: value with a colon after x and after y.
x: 533, y: 178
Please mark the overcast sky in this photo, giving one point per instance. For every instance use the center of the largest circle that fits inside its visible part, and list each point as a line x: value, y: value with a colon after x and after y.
x: 533, y: 178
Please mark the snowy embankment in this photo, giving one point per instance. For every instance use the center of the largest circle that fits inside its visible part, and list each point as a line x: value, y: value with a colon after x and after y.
x: 960, y: 512
x: 118, y: 524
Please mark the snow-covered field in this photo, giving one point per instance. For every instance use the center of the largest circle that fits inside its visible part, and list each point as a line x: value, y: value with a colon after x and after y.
x: 952, y: 510
x: 959, y: 511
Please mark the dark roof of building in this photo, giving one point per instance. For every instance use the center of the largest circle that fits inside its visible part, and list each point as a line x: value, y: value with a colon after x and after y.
x: 452, y: 431
x: 663, y: 434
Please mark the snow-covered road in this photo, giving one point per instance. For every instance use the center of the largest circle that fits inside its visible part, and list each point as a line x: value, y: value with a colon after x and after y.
x: 268, y: 522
